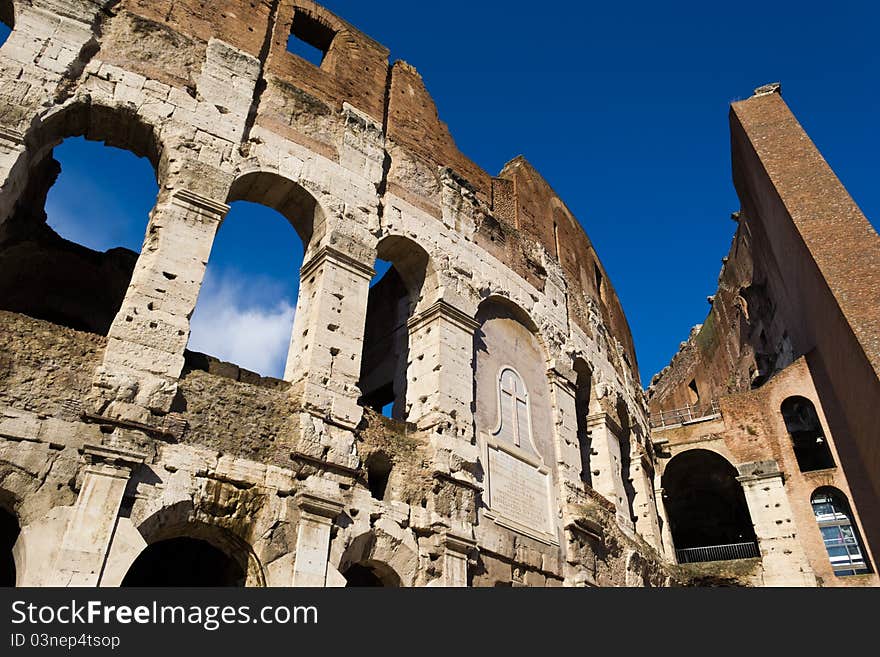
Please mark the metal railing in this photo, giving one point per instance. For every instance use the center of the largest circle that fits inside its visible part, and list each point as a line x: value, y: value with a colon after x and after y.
x: 690, y: 413
x: 727, y: 552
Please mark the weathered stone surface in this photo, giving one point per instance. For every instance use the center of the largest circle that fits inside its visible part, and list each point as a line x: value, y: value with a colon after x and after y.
x: 497, y: 334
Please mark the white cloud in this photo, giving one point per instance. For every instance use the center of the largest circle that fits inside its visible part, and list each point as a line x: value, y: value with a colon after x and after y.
x: 228, y: 324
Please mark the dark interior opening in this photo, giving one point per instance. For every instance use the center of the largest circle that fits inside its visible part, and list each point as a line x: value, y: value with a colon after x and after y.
x: 378, y: 472
x: 9, y: 531
x: 184, y: 562
x: 810, y: 444
x: 704, y: 501
x: 693, y: 393
x: 386, y: 345
x: 363, y: 574
x: 583, y: 388
x: 309, y: 38
x: 599, y: 280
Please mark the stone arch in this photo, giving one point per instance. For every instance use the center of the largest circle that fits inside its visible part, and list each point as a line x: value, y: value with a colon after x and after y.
x: 170, y: 524
x: 705, y: 503
x: 290, y: 199
x: 393, y: 300
x: 514, y: 311
x: 44, y: 274
x: 384, y: 551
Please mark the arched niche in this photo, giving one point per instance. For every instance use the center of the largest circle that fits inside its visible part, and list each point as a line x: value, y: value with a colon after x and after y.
x: 507, y: 338
x: 514, y: 420
x: 705, y: 503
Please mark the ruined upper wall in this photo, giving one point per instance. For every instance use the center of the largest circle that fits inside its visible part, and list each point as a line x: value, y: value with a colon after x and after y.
x: 801, y: 279
x: 518, y: 217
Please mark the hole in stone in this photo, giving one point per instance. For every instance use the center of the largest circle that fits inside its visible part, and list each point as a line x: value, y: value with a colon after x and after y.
x: 378, y: 471
x: 309, y: 38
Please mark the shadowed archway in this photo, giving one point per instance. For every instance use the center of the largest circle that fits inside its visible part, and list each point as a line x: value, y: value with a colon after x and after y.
x: 705, y: 502
x: 184, y: 562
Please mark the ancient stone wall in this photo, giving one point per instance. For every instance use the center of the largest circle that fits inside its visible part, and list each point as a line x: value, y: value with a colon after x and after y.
x: 789, y: 321
x: 298, y: 482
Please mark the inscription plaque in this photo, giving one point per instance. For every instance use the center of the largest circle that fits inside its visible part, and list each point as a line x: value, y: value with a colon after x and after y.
x: 518, y: 490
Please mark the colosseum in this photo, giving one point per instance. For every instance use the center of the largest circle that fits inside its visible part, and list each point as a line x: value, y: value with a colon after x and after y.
x: 521, y: 448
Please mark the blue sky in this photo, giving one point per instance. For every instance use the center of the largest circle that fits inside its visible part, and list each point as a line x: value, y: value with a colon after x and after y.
x: 621, y: 106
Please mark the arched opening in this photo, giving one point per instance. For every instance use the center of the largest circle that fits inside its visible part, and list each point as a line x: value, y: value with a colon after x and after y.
x: 401, y: 269
x: 583, y: 392
x: 708, y: 515
x: 370, y: 573
x: 378, y: 471
x: 70, y: 243
x: 808, y: 440
x: 244, y: 317
x: 7, y: 19
x: 184, y: 562
x: 839, y: 532
x: 9, y: 531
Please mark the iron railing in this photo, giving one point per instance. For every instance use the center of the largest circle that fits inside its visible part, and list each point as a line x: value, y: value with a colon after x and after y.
x: 690, y: 413
x: 727, y: 552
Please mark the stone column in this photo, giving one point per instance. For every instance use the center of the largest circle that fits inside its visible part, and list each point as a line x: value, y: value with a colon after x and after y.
x: 316, y: 515
x: 324, y: 361
x: 782, y: 557
x: 144, y: 355
x: 568, y: 454
x: 605, y: 461
x: 440, y: 373
x: 455, y: 559
x: 86, y: 540
x: 665, y: 529
x: 644, y: 503
x: 13, y: 167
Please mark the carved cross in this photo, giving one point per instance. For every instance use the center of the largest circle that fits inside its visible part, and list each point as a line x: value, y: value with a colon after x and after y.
x: 512, y: 388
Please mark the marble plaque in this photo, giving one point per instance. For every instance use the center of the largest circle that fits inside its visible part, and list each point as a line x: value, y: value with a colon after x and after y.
x: 519, y: 491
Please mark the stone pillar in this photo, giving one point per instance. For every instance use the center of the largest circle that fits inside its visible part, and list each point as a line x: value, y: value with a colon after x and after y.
x: 644, y: 503
x: 86, y: 540
x: 324, y: 362
x: 13, y: 166
x: 665, y: 529
x: 783, y: 560
x: 316, y: 515
x: 567, y: 448
x: 455, y: 559
x: 440, y: 373
x: 144, y: 355
x: 605, y: 461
